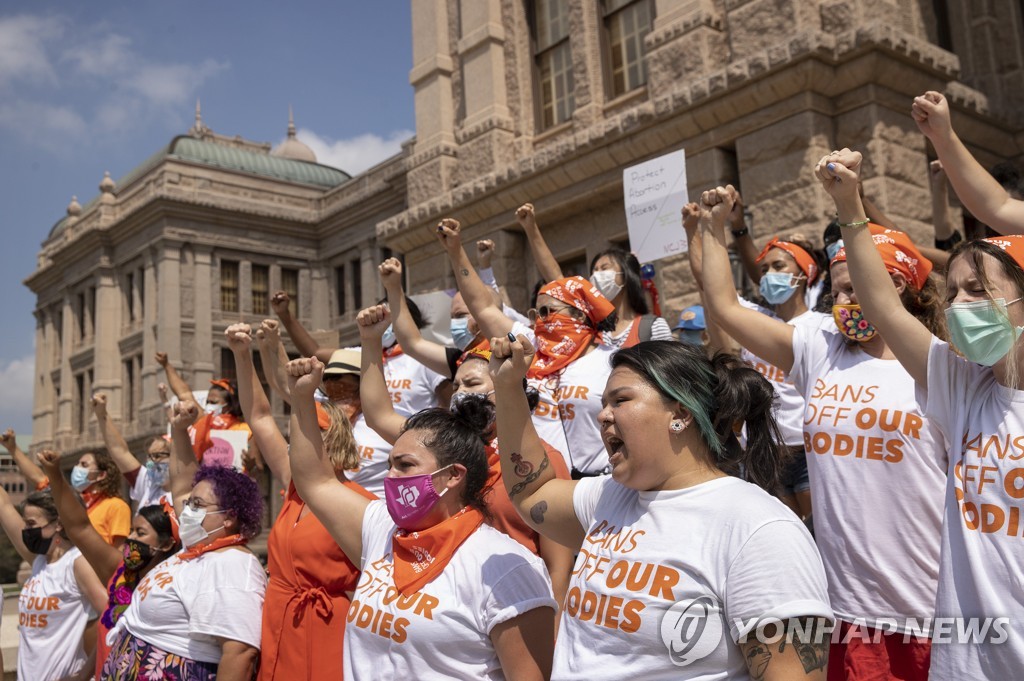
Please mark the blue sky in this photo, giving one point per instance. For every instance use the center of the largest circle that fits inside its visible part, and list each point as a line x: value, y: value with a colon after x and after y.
x: 84, y: 91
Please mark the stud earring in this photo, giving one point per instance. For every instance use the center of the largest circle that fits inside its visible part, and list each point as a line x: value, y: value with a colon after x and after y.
x: 676, y: 426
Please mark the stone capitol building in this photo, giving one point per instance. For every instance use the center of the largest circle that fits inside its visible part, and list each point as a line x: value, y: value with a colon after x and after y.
x: 544, y: 101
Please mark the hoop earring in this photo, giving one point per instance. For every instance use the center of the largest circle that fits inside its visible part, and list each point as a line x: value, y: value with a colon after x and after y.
x: 677, y: 426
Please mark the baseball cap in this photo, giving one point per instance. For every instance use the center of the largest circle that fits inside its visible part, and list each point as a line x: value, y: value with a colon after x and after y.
x: 692, y: 318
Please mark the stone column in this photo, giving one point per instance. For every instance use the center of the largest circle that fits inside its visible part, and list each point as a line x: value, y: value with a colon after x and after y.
x: 42, y: 395
x: 202, y: 291
x: 106, y: 354
x: 168, y: 322
x: 152, y: 373
x: 67, y: 382
x: 314, y: 295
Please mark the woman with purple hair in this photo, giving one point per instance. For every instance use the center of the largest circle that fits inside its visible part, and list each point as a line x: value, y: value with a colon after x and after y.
x: 197, y: 615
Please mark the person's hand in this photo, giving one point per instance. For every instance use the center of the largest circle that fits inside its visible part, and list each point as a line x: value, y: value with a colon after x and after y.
x: 239, y: 337
x: 161, y: 359
x: 691, y: 217
x: 279, y: 303
x: 99, y: 405
x: 448, y: 233
x: 484, y: 253
x: 717, y: 202
x: 304, y: 376
x: 736, y: 217
x: 269, y: 332
x: 937, y: 175
x: 7, y: 440
x: 373, y: 322
x: 184, y: 414
x: 931, y: 113
x: 510, y: 360
x: 526, y: 217
x: 49, y: 460
x: 250, y: 462
x: 839, y: 173
x: 391, y: 274
x: 161, y: 390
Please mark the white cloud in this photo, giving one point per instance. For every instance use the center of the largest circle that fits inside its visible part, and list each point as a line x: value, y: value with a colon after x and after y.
x: 50, y: 126
x: 23, y: 47
x: 106, y: 54
x: 170, y: 84
x: 355, y: 154
x: 17, y: 378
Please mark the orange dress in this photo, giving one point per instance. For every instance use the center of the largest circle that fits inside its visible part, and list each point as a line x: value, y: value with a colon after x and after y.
x: 306, y: 601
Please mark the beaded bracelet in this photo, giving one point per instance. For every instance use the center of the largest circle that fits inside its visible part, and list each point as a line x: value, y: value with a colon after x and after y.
x: 855, y: 223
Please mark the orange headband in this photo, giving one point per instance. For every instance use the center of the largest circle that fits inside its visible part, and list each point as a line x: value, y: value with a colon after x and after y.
x: 223, y: 383
x: 173, y: 517
x: 481, y: 350
x: 899, y: 254
x: 1013, y: 244
x: 804, y: 260
x: 582, y: 295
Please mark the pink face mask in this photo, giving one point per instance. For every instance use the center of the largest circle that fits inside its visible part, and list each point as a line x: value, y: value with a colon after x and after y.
x: 411, y: 498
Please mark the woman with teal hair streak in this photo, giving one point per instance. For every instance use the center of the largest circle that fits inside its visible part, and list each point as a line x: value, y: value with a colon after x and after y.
x: 685, y: 559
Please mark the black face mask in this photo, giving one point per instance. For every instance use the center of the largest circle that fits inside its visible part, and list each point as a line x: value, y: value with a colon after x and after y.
x: 136, y: 554
x: 34, y: 540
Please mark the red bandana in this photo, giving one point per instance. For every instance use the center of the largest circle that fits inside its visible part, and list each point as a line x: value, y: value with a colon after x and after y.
x: 422, y: 556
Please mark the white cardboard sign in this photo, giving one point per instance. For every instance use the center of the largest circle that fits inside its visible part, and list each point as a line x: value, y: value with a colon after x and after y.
x: 655, y: 193
x: 227, y: 448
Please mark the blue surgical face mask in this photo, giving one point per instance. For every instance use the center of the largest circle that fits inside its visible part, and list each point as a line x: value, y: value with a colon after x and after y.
x: 778, y: 287
x: 981, y: 330
x: 461, y: 335
x: 833, y: 248
x: 80, y: 478
x: 388, y: 339
x: 158, y: 472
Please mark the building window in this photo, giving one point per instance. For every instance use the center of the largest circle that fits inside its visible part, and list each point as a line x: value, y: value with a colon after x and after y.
x: 79, y: 403
x: 553, y: 57
x: 128, y: 394
x: 356, y: 275
x: 229, y: 286
x: 260, y: 289
x: 290, y: 285
x: 339, y: 288
x: 142, y: 293
x: 575, y: 266
x: 626, y: 23
x: 129, y: 295
x: 227, y: 365
x: 81, y: 316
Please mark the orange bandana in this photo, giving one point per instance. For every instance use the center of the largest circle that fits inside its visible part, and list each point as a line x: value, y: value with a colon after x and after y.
x: 223, y: 383
x: 804, y: 260
x: 394, y: 351
x: 481, y: 350
x: 899, y: 254
x: 561, y: 338
x: 173, y: 517
x: 582, y: 295
x: 91, y: 499
x: 1013, y: 244
x: 196, y: 551
x: 493, y: 464
x: 422, y: 556
x: 202, y: 431
x: 323, y: 419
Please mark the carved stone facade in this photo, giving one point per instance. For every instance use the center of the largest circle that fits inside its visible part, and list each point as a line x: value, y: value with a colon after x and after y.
x: 754, y: 91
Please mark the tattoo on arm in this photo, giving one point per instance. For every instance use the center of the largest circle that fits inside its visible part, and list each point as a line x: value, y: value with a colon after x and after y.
x: 537, y: 512
x: 812, y: 655
x: 758, y: 657
x: 523, y: 468
x: 519, y: 487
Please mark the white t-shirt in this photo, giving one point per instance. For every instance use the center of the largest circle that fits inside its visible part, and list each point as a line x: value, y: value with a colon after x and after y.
x: 373, y: 457
x: 441, y: 631
x: 649, y: 555
x: 52, y: 614
x: 180, y: 606
x: 789, y: 407
x: 877, y: 468
x: 410, y: 384
x: 145, y: 493
x: 580, y: 387
x: 982, y: 569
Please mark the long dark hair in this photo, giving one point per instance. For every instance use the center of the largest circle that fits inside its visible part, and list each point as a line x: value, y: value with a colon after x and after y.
x: 633, y: 284
x: 721, y: 393
x: 457, y: 438
x: 157, y: 517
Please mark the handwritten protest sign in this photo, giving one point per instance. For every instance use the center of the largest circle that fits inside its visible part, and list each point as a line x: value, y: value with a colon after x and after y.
x: 655, y: 193
x: 227, y: 448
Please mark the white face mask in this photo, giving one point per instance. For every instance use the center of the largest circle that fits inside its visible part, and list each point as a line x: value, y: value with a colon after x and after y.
x: 214, y: 409
x: 604, y: 280
x: 190, y: 526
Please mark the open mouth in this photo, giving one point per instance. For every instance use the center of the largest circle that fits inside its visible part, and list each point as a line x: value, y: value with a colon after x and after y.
x: 615, y: 448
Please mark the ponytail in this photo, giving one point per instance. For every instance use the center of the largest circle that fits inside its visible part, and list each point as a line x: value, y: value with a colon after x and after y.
x: 721, y: 394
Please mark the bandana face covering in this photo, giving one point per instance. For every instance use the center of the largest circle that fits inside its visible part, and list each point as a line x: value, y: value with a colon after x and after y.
x: 560, y: 340
x: 981, y: 330
x: 851, y: 323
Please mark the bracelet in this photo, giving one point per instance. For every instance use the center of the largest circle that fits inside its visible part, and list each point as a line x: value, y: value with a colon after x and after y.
x: 855, y: 223
x: 948, y: 244
x: 737, y: 233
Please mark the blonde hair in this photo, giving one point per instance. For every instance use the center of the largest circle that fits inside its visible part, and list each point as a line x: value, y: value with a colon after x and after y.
x: 339, y: 444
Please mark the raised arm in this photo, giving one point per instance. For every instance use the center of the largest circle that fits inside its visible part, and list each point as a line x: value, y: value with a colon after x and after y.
x: 542, y: 257
x: 13, y: 524
x: 742, y: 239
x: 339, y: 508
x: 719, y: 339
x: 543, y: 501
x: 183, y: 464
x: 478, y: 296
x: 255, y: 405
x: 306, y: 344
x: 177, y: 384
x: 378, y: 408
x: 32, y: 472
x: 429, y: 354
x: 768, y: 338
x: 978, y: 190
x: 908, y: 338
x: 273, y: 356
x: 112, y: 438
x: 103, y: 557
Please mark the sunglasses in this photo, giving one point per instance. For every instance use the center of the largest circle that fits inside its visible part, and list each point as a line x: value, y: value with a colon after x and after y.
x: 545, y: 311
